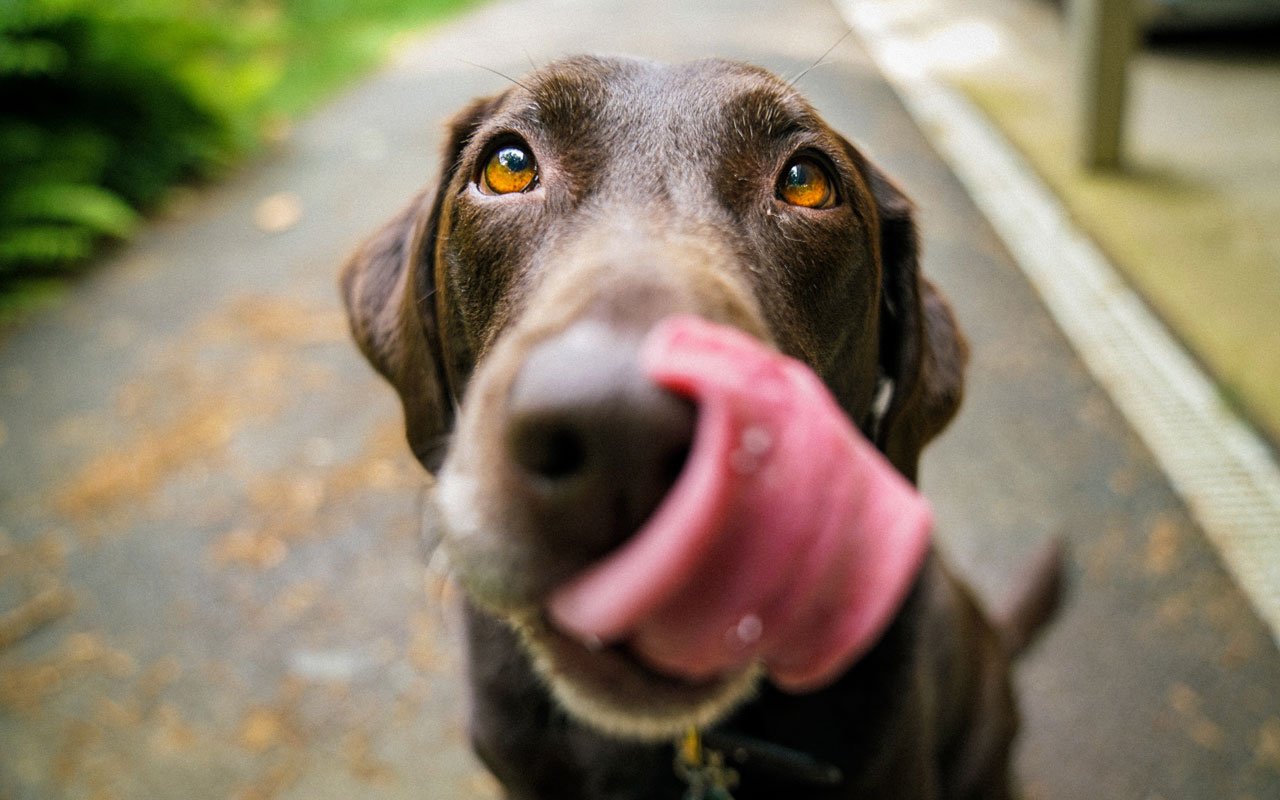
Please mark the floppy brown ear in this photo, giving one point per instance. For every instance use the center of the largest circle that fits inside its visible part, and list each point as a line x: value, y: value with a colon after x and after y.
x: 922, y: 351
x: 389, y: 288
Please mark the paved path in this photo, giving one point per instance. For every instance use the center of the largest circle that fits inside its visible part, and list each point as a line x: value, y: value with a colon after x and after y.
x: 205, y: 492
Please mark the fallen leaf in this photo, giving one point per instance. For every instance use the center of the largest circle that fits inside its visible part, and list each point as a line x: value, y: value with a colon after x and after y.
x: 1208, y: 734
x: 1267, y: 750
x: 1162, y: 547
x: 249, y: 548
x: 45, y: 606
x: 172, y: 735
x: 127, y: 475
x: 299, y: 598
x: 363, y: 762
x: 285, y: 321
x: 278, y: 213
x: 1184, y: 699
x: 261, y: 729
x: 273, y: 781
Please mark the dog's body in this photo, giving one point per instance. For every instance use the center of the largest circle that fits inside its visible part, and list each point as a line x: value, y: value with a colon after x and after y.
x: 576, y: 210
x: 928, y: 713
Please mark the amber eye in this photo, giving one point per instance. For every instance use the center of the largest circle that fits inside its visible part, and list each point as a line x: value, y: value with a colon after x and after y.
x: 510, y: 169
x: 805, y: 183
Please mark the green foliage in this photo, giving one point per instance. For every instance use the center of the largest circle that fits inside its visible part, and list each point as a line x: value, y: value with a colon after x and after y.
x: 103, y: 108
x: 105, y: 104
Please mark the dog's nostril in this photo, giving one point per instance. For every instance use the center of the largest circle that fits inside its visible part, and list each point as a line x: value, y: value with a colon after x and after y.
x: 672, y: 463
x: 548, y: 449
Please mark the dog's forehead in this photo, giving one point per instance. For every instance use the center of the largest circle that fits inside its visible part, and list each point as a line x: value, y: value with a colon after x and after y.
x: 629, y: 95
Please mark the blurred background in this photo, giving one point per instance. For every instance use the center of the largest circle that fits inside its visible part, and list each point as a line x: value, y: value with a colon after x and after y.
x: 211, y: 583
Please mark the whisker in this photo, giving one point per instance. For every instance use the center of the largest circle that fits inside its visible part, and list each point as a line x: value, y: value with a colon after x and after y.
x: 499, y: 73
x: 846, y: 35
x: 429, y: 536
x: 435, y: 563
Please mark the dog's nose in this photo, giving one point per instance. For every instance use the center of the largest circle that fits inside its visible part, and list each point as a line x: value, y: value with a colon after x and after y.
x: 594, y: 443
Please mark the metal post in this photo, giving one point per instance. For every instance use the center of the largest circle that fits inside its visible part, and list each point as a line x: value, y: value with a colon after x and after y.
x: 1104, y: 35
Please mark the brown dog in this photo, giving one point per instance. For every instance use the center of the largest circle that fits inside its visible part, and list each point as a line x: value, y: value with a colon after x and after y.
x: 506, y: 306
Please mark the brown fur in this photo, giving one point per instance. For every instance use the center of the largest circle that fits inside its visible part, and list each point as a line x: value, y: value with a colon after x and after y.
x: 656, y: 196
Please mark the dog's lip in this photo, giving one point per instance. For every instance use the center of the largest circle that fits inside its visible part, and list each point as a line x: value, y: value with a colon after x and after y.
x: 610, y: 688
x: 571, y: 649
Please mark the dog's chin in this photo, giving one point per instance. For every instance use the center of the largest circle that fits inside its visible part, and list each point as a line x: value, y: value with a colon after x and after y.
x: 609, y: 689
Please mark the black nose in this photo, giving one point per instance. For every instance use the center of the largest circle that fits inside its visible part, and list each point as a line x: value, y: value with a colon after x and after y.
x: 595, y: 444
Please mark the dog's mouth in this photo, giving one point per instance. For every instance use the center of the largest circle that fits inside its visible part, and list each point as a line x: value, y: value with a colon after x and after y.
x: 614, y: 689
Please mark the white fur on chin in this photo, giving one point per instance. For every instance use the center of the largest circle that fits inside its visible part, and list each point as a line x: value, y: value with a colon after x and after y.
x: 646, y: 722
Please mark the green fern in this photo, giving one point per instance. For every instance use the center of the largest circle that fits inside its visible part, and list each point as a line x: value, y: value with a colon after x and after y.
x: 82, y: 205
x: 34, y: 249
x: 97, y: 119
x: 104, y: 104
x: 30, y: 57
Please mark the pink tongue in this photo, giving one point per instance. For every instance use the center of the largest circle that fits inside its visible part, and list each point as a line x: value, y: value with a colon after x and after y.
x: 787, y: 539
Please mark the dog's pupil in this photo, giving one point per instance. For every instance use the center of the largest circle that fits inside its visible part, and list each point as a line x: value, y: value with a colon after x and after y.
x: 804, y: 177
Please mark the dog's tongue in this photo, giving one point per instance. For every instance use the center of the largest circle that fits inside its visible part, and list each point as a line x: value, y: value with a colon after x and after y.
x: 787, y: 539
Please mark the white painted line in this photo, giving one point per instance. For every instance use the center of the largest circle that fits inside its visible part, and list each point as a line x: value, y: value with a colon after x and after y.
x: 1218, y: 465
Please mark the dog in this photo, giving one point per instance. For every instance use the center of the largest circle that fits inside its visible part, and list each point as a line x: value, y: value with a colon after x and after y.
x: 575, y: 211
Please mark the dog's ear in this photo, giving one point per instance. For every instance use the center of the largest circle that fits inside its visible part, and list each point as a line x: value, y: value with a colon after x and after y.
x: 922, y: 351
x: 389, y: 288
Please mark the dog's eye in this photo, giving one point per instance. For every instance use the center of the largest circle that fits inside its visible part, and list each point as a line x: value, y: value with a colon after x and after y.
x: 510, y: 169
x: 805, y: 183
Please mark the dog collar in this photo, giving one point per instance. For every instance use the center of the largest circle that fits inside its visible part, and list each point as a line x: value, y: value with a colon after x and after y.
x: 702, y: 762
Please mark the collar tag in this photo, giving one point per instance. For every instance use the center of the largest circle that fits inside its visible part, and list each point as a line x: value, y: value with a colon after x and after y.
x: 703, y: 770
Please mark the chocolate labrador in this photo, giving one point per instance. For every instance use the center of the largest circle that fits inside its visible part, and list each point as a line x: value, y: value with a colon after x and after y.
x: 576, y: 210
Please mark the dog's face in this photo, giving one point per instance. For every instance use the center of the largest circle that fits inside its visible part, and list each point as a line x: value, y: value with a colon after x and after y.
x: 575, y: 211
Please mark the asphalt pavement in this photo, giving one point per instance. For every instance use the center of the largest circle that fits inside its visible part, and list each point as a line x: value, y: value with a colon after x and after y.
x: 210, y: 578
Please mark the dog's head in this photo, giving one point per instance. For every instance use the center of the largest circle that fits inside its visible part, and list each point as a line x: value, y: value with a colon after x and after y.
x: 574, y: 211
